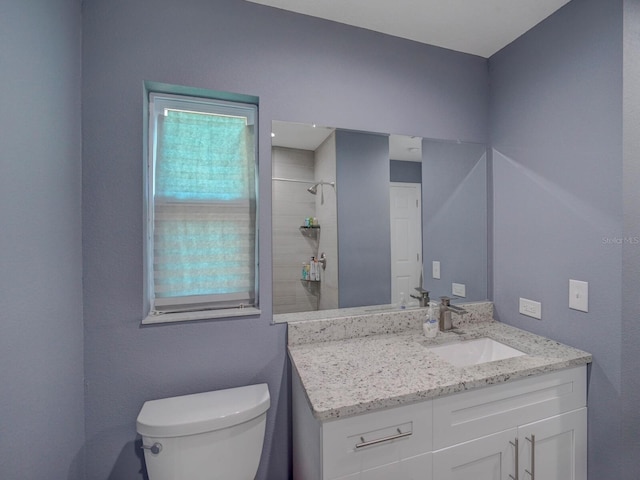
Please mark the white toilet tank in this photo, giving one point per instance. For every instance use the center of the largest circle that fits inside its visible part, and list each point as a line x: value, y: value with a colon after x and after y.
x: 206, y: 436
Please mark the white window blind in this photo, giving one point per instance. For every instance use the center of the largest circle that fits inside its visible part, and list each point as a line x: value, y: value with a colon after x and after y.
x: 201, y: 225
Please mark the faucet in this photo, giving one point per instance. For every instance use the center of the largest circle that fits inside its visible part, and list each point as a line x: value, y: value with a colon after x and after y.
x: 423, y: 298
x: 445, y: 313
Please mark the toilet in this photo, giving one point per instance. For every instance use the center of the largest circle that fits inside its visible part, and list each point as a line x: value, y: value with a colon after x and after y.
x: 205, y: 436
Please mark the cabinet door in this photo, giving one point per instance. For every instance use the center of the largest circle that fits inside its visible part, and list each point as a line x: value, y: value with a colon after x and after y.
x: 555, y: 448
x: 414, y: 468
x: 486, y: 458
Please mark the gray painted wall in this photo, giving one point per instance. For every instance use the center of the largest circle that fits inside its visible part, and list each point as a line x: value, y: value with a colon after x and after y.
x: 41, y: 347
x: 304, y: 70
x: 631, y: 249
x: 556, y: 127
x: 364, y: 236
x: 405, y: 172
x: 454, y: 218
x: 556, y: 110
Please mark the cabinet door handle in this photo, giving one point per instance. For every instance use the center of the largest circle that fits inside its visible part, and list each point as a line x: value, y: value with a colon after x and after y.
x: 383, y: 439
x: 532, y: 473
x: 515, y: 446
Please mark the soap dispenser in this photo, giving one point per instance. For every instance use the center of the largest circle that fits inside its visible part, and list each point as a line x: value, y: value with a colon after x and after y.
x: 430, y: 324
x: 403, y: 301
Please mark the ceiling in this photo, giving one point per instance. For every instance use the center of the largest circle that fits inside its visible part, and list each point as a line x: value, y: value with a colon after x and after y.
x: 310, y: 137
x: 478, y: 27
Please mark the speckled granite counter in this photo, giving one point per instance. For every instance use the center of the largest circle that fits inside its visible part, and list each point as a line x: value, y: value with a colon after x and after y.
x: 347, y: 376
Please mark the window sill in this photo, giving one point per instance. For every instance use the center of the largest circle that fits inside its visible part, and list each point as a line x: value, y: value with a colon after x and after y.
x: 152, y: 319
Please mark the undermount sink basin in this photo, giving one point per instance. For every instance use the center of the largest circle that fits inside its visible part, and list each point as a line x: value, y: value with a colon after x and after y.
x: 475, y: 352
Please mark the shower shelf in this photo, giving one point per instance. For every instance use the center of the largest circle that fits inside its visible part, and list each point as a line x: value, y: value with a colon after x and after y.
x: 310, y: 231
x: 311, y: 286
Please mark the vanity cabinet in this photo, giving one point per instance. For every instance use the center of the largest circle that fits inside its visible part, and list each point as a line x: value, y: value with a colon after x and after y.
x: 487, y: 458
x: 394, y: 443
x: 537, y: 424
x: 559, y: 444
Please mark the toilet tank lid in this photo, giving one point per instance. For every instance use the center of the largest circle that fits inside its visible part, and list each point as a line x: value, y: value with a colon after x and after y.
x: 202, y: 412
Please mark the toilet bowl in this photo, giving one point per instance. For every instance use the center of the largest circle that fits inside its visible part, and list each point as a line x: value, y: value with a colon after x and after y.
x: 205, y: 436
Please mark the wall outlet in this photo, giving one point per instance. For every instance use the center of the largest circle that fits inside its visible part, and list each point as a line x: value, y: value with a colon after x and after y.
x: 459, y: 289
x: 579, y: 295
x: 531, y: 308
x: 435, y: 269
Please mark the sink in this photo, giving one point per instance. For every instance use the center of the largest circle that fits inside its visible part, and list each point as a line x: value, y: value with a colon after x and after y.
x: 475, y: 352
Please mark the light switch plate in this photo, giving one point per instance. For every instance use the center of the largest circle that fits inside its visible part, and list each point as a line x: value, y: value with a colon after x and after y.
x: 435, y: 269
x: 459, y: 289
x: 531, y: 308
x: 579, y: 295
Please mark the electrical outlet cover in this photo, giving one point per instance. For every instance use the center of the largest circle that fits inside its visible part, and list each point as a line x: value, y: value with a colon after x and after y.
x: 435, y: 269
x: 459, y: 289
x: 531, y: 308
x: 579, y: 295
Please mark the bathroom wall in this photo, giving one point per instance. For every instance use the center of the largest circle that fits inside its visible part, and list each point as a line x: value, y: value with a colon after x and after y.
x: 304, y: 70
x: 41, y: 333
x: 454, y: 178
x: 556, y: 128
x: 291, y: 204
x: 404, y: 171
x: 364, y: 235
x: 630, y: 387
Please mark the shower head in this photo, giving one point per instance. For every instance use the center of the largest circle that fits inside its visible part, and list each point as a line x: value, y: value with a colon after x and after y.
x: 313, y: 189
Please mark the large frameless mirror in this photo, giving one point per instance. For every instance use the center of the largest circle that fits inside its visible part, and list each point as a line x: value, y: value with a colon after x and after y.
x: 359, y: 218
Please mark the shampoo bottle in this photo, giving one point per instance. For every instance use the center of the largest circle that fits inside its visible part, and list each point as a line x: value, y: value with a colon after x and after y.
x: 312, y: 265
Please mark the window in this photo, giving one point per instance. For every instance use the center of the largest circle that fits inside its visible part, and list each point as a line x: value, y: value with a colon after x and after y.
x: 201, y: 249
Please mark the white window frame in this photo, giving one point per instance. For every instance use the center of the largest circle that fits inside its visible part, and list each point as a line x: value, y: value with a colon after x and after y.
x: 164, y: 311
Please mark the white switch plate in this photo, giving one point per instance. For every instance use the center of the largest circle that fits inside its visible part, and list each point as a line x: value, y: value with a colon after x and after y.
x: 531, y: 308
x: 459, y: 289
x: 435, y: 269
x: 579, y: 295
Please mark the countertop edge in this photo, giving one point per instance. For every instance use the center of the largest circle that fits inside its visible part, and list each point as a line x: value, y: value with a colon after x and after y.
x: 375, y: 405
x: 316, y: 375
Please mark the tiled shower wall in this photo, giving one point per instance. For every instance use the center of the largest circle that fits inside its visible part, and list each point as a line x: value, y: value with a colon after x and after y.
x: 326, y: 211
x: 291, y: 204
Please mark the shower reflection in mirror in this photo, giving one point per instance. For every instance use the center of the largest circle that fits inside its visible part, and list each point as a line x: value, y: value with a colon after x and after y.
x: 304, y: 221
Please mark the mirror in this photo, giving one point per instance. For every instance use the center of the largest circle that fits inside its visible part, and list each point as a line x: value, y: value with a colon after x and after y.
x: 359, y: 218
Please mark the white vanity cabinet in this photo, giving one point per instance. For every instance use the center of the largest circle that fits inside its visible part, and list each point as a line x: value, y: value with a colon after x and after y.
x: 560, y: 447
x: 393, y: 443
x: 526, y: 429
x: 487, y: 458
x: 537, y: 426
x: 559, y: 444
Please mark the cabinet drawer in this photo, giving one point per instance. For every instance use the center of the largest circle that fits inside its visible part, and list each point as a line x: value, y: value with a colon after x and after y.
x: 360, y: 443
x: 464, y: 416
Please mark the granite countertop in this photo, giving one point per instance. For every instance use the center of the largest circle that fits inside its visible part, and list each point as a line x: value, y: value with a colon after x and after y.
x: 349, y: 376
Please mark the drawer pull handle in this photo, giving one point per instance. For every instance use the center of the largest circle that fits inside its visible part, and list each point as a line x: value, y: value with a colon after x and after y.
x: 383, y: 439
x: 532, y: 473
x: 515, y: 446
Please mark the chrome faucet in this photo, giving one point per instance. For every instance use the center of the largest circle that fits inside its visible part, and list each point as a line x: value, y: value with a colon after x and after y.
x: 445, y: 313
x: 423, y: 298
